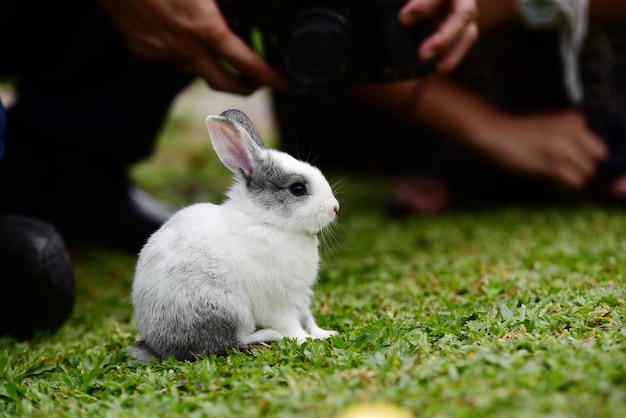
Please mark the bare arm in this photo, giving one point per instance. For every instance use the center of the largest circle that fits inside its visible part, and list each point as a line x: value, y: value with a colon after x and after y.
x: 557, y: 145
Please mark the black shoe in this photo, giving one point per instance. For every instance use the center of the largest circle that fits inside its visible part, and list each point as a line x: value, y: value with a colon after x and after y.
x: 88, y: 209
x: 37, y: 290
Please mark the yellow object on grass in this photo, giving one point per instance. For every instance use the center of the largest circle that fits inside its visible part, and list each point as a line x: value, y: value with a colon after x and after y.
x: 375, y: 410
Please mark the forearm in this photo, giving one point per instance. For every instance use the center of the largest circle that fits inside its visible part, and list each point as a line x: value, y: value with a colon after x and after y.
x: 440, y: 106
x: 456, y: 113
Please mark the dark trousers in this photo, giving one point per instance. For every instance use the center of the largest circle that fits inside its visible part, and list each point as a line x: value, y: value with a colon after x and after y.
x: 84, y: 101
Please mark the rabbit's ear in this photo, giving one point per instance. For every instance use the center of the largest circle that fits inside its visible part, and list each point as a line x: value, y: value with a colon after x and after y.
x: 243, y: 121
x: 234, y: 145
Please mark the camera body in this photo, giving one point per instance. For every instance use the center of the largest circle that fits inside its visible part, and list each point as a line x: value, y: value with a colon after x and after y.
x: 322, y: 44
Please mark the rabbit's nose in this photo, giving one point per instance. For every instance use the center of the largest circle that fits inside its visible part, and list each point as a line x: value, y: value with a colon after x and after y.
x: 336, y: 207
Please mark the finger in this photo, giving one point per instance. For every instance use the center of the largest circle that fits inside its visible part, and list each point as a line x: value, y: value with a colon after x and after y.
x: 221, y: 79
x: 223, y: 42
x: 585, y: 138
x: 578, y: 159
x: 248, y: 63
x: 593, y: 144
x: 570, y: 177
x: 462, y: 14
x: 453, y: 57
x: 415, y: 10
x: 209, y: 66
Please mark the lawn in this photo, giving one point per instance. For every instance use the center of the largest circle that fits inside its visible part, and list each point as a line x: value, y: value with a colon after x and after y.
x: 509, y: 312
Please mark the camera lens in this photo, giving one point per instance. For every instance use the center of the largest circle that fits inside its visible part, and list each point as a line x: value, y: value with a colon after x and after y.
x: 318, y: 46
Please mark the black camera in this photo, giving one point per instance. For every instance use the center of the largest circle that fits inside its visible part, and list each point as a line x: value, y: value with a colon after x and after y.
x: 321, y: 44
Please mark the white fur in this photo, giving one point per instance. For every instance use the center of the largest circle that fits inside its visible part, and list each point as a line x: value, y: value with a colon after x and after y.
x: 256, y: 264
x: 272, y: 266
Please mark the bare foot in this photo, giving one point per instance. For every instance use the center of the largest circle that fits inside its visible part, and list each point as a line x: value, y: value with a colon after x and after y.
x: 422, y: 194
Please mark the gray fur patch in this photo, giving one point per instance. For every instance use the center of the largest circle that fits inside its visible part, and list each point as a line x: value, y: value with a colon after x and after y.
x: 269, y: 185
x: 184, y: 340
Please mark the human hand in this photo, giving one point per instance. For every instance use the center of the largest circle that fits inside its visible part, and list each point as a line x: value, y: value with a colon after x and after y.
x: 557, y: 145
x: 193, y: 35
x: 455, y: 35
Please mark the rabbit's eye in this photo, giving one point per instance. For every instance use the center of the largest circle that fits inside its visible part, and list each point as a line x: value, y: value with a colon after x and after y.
x: 297, y: 189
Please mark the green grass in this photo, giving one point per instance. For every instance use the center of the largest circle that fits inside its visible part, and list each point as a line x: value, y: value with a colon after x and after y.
x: 497, y: 313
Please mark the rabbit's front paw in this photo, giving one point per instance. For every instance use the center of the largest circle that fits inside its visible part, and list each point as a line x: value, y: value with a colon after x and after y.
x: 322, y: 334
x: 303, y: 338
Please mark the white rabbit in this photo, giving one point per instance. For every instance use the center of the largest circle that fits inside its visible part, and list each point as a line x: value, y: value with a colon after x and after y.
x: 224, y: 276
